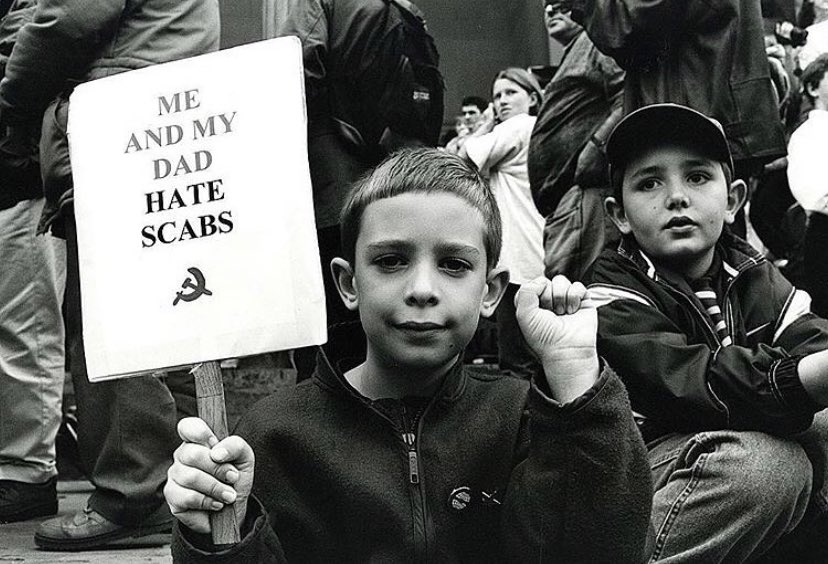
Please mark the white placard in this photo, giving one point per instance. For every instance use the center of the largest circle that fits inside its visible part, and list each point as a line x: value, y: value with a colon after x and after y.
x: 196, y: 233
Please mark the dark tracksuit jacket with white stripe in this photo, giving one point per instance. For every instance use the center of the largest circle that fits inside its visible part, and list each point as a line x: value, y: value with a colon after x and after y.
x: 653, y: 331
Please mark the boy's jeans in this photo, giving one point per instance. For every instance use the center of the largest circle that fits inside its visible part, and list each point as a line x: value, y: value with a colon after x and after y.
x: 731, y: 495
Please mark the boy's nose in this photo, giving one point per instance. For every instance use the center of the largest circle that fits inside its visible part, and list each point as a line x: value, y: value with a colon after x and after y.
x: 677, y: 196
x: 422, y: 288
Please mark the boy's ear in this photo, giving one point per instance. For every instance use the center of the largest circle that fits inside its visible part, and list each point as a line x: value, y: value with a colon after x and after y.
x: 615, y: 211
x: 343, y: 275
x: 736, y: 195
x: 496, y: 283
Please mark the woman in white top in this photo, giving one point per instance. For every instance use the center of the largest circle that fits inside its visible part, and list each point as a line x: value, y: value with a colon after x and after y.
x: 499, y: 148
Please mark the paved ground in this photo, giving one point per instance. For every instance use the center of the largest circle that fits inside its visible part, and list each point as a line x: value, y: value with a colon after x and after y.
x: 17, y: 542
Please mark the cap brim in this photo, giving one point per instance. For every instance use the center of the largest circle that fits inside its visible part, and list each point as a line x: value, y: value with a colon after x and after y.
x: 661, y: 123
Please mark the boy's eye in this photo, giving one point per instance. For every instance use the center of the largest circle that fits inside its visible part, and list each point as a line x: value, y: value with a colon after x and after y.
x: 697, y: 177
x: 455, y: 265
x: 648, y: 184
x: 389, y: 262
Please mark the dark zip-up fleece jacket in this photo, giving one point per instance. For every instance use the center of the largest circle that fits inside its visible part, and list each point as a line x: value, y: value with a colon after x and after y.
x: 705, y: 54
x: 343, y: 481
x: 654, y: 332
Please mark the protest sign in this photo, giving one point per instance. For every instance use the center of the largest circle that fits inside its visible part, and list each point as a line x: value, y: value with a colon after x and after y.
x: 196, y: 234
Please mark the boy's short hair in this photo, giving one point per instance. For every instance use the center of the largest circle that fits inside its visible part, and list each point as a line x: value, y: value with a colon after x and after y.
x: 423, y: 171
x: 659, y: 124
x: 481, y: 103
x: 813, y: 74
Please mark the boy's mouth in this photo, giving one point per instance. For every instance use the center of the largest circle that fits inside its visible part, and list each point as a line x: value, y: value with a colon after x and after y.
x: 422, y: 326
x: 681, y: 221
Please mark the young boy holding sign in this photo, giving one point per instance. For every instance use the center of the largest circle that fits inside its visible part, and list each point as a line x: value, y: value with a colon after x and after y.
x: 406, y: 454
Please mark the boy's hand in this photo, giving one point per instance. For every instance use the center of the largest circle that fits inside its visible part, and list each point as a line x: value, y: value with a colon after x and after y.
x: 560, y: 326
x: 206, y: 474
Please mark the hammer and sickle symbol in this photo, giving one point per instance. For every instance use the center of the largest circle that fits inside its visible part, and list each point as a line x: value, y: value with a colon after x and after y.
x: 198, y: 289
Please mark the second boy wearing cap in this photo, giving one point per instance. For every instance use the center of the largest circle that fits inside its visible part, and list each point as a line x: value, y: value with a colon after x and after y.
x: 725, y: 364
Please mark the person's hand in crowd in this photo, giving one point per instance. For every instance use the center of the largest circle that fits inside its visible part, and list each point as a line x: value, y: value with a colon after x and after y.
x: 778, y: 164
x: 560, y: 325
x: 486, y: 122
x: 207, y: 474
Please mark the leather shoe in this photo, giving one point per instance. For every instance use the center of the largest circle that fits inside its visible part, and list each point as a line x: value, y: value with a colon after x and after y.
x: 20, y: 500
x: 88, y: 529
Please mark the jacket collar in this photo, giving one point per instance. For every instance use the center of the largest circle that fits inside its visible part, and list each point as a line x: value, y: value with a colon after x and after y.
x: 737, y: 256
x: 346, y: 348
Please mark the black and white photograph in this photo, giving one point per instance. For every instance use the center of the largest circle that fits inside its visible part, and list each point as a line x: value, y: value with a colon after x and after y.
x: 392, y: 281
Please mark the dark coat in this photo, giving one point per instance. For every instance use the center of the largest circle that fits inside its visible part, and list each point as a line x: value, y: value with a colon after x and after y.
x: 346, y: 55
x: 19, y: 163
x: 705, y: 54
x: 72, y: 41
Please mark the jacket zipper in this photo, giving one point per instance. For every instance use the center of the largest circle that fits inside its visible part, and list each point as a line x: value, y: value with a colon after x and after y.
x: 413, y: 465
x: 419, y: 509
x: 710, y: 332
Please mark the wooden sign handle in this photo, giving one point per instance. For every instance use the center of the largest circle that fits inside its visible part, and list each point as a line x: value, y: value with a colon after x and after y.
x: 211, y: 408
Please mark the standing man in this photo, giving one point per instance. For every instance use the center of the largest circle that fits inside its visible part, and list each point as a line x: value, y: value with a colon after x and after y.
x: 31, y: 323
x: 567, y: 168
x: 126, y: 428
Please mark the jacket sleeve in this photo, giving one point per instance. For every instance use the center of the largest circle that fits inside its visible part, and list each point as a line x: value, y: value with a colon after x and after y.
x: 259, y: 543
x: 631, y: 31
x: 689, y: 385
x: 502, y: 143
x: 59, y: 44
x: 591, y: 168
x: 19, y: 14
x: 307, y: 20
x: 584, y: 492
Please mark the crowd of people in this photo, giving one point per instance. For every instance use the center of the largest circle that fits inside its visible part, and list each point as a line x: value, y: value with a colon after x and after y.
x: 644, y: 228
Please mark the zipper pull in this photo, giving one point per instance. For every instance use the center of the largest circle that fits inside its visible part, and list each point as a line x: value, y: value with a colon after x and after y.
x: 413, y: 468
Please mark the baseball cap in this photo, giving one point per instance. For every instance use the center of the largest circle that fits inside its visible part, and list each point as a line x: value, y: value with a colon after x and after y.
x: 664, y: 123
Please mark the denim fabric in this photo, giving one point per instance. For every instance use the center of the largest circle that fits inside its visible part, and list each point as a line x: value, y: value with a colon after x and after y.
x: 31, y: 344
x: 727, y: 495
